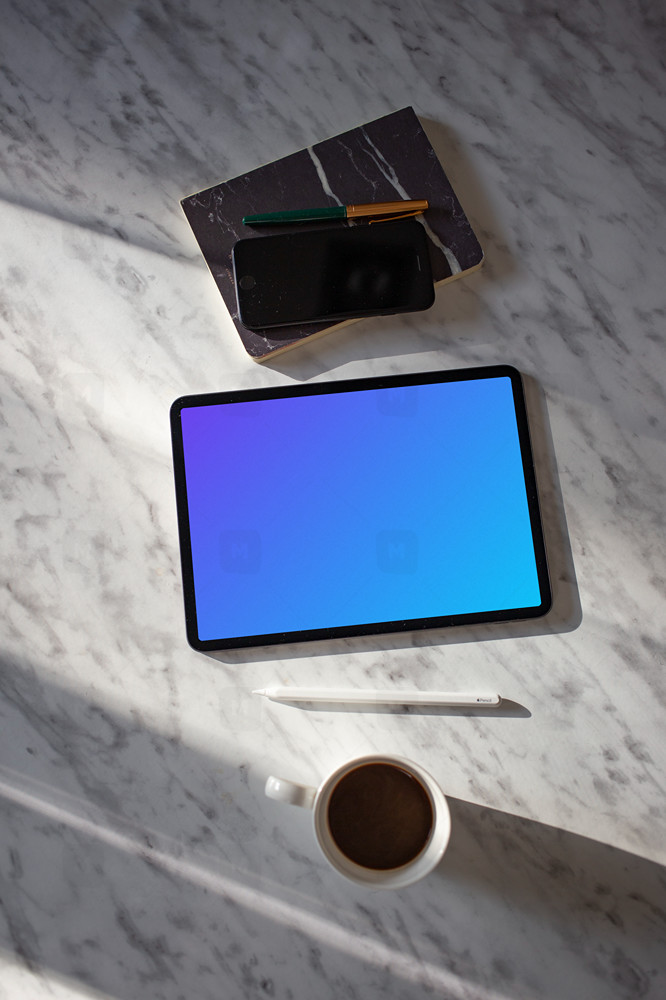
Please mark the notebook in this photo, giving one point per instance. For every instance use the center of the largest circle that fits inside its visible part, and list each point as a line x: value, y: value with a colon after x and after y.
x: 388, y: 159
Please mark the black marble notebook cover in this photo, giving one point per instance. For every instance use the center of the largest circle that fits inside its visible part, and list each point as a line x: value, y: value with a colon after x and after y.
x: 385, y: 160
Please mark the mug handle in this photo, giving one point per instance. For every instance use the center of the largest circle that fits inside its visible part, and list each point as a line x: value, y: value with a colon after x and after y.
x: 290, y: 791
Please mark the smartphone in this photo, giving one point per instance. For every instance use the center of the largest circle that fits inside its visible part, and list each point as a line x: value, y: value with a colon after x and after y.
x: 333, y: 273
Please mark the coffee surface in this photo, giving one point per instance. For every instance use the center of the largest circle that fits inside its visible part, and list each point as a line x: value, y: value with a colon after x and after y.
x: 380, y: 816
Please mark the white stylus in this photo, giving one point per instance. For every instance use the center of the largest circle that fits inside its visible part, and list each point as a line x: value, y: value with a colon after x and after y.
x: 354, y: 697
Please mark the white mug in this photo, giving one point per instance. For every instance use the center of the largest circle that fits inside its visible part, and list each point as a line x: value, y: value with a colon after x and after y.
x: 409, y: 846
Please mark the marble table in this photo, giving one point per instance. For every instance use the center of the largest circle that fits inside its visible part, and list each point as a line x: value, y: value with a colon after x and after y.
x: 139, y: 857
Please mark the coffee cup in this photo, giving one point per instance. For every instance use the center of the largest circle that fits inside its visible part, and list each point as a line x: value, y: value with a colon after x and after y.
x: 381, y: 821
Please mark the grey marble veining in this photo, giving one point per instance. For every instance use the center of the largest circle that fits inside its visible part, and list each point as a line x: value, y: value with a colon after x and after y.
x: 138, y: 855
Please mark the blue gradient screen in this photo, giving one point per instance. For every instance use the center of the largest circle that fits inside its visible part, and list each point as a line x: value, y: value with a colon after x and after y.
x: 357, y: 507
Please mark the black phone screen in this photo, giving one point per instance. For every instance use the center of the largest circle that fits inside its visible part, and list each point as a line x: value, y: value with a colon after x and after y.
x: 332, y: 273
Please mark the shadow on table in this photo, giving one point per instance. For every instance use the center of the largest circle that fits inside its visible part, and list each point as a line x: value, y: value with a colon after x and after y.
x: 557, y: 909
x: 133, y: 864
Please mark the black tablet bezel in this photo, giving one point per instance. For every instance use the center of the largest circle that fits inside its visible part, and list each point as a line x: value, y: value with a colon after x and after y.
x: 372, y: 628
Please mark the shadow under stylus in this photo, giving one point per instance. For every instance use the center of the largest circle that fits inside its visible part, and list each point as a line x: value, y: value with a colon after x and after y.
x: 505, y: 710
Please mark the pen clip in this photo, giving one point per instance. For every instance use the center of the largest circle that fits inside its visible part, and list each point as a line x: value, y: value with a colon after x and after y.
x: 394, y: 218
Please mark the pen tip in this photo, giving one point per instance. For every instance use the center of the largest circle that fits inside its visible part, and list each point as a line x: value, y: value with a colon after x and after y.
x: 259, y: 691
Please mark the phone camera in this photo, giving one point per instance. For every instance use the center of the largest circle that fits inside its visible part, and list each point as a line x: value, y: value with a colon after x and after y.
x: 247, y: 282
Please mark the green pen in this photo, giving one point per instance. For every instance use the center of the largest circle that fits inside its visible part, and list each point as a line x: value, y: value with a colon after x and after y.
x: 383, y: 208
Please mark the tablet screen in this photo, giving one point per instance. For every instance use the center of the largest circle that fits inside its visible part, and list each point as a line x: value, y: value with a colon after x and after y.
x: 354, y: 507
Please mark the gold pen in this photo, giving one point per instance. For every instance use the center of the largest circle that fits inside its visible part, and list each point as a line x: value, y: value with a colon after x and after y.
x: 380, y: 208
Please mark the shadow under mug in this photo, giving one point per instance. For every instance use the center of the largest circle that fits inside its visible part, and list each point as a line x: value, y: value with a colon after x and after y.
x: 322, y: 802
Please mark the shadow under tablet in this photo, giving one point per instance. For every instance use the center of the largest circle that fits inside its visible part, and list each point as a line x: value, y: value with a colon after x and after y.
x: 565, y: 614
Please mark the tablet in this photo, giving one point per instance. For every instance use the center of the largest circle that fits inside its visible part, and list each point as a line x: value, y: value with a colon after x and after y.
x: 356, y: 507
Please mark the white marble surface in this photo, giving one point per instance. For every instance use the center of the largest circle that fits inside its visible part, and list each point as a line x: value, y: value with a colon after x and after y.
x: 138, y: 857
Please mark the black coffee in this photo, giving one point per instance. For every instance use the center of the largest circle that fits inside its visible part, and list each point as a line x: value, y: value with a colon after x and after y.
x: 380, y: 816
